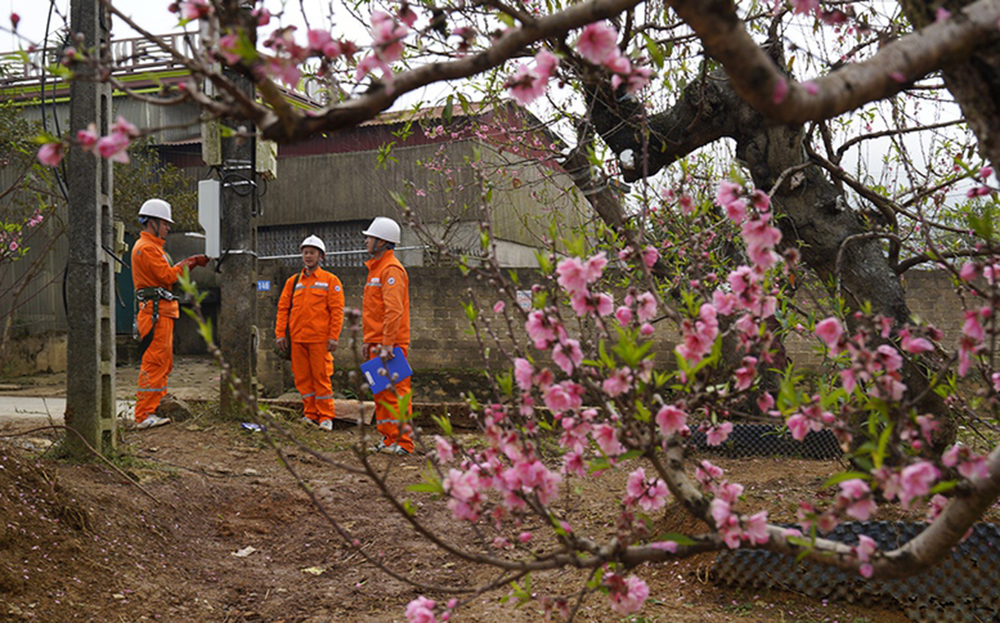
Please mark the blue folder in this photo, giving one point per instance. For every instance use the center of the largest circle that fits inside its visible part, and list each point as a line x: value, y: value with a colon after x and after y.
x: 398, y: 366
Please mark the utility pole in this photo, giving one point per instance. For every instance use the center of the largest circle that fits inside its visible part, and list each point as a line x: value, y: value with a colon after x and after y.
x: 90, y: 377
x: 238, y: 265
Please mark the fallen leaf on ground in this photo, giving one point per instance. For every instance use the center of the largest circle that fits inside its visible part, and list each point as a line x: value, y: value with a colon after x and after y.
x: 246, y: 551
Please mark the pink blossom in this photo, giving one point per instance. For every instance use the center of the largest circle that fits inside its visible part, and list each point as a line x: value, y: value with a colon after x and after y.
x: 761, y: 239
x: 525, y: 85
x: 630, y: 597
x: 407, y: 16
x: 624, y: 316
x: 898, y: 76
x: 727, y: 193
x: 941, y: 14
x: 317, y: 39
x: 811, y: 87
x: 780, y: 91
x: 707, y: 472
x: 972, y: 328
x: 671, y: 420
x: 746, y: 373
x: 498, y: 307
x: 724, y: 302
x: 805, y: 6
x: 421, y: 610
x: 522, y: 373
x: 598, y: 43
x: 388, y: 36
x: 646, y: 330
x: 645, y: 307
x: 737, y: 211
x: 889, y: 357
x: 545, y: 63
x: 619, y: 382
x: 717, y: 435
x: 262, y: 15
x: 114, y: 147
x: 916, y: 480
x: 603, y: 304
x: 755, y: 530
x: 969, y: 271
x: 572, y: 275
x: 699, y: 336
x: 122, y: 126
x: 557, y: 398
x: 593, y: 268
x: 648, y: 495
x: 914, y: 344
x: 195, y: 9
x: 87, y: 139
x: 445, y: 452
x: 606, y: 437
x: 370, y: 63
x: 857, y: 496
x: 567, y: 355
x: 649, y: 256
x: 573, y: 463
x: 829, y: 330
x: 287, y: 71
x: 667, y: 546
x: 228, y: 46
x: 15, y: 19
x: 538, y: 330
x: 51, y: 154
x: 865, y: 548
x: 800, y: 425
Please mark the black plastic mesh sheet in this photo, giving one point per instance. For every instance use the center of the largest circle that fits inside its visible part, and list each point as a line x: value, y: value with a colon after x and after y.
x: 769, y: 440
x: 965, y: 586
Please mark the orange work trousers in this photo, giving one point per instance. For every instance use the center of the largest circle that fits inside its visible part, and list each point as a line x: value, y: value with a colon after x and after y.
x: 387, y: 416
x: 157, y: 362
x: 312, y: 367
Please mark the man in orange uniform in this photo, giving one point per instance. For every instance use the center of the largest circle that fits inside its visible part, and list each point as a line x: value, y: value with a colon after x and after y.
x: 385, y: 320
x: 310, y: 317
x: 153, y: 276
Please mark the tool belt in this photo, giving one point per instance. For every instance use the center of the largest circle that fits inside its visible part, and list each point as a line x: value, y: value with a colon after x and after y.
x: 154, y: 295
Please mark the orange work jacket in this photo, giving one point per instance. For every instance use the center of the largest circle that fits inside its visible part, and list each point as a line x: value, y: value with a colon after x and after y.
x: 317, y: 305
x: 385, y: 315
x: 151, y: 268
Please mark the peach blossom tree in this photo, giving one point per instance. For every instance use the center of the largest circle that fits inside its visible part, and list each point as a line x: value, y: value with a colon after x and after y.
x: 712, y: 255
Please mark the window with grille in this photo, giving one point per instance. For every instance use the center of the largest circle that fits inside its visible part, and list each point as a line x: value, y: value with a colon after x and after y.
x: 345, y: 246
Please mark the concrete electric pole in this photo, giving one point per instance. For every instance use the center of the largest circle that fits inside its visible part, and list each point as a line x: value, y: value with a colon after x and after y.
x: 90, y: 382
x: 238, y: 305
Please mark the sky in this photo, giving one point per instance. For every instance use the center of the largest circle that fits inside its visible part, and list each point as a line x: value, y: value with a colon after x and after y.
x: 150, y: 14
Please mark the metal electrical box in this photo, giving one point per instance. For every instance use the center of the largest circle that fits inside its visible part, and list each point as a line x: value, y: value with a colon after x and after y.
x: 208, y: 215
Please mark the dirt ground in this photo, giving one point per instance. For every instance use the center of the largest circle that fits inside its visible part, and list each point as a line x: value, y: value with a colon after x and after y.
x: 212, y: 527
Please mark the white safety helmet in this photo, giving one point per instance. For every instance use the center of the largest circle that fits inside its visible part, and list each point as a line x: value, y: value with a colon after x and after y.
x: 314, y: 241
x: 156, y: 208
x: 384, y: 229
